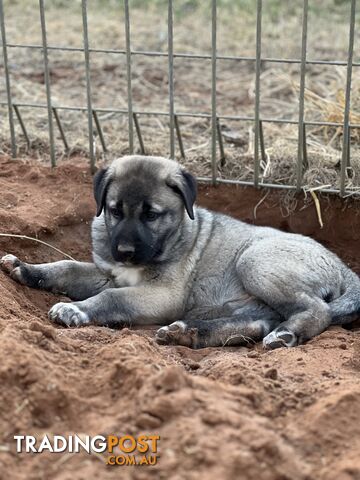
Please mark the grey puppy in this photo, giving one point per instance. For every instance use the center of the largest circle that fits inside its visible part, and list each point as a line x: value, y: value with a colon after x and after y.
x: 209, y: 279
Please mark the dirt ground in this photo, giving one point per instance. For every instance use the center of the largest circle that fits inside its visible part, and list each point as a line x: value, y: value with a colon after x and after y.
x: 222, y: 413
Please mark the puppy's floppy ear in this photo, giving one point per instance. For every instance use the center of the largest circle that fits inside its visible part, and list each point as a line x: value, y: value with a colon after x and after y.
x: 101, y: 184
x: 185, y: 185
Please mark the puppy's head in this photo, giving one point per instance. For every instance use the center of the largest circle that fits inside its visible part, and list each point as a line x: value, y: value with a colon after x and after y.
x: 144, y: 200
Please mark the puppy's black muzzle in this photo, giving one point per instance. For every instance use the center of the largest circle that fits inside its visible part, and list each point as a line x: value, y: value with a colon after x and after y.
x: 132, y: 243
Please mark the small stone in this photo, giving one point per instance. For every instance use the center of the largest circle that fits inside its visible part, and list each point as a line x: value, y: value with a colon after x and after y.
x: 193, y: 365
x: 271, y: 373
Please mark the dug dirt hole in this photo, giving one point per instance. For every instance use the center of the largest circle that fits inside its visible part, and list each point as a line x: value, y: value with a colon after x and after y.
x: 296, y: 408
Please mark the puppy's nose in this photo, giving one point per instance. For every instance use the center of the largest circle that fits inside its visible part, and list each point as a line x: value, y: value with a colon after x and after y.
x: 126, y: 252
x: 126, y: 249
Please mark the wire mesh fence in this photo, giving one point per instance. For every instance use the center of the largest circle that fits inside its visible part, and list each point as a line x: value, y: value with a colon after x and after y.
x: 174, y: 115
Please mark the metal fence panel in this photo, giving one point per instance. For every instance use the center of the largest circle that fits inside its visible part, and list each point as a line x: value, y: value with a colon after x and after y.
x: 174, y: 115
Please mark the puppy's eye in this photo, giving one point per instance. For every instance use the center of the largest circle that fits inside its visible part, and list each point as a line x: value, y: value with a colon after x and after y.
x: 150, y: 216
x: 115, y: 212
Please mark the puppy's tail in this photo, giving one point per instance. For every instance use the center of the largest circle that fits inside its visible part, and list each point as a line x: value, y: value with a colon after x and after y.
x: 346, y: 308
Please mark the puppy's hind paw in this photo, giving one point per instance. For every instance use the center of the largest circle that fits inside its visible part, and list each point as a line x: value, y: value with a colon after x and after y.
x: 178, y: 333
x: 280, y: 337
x: 68, y: 314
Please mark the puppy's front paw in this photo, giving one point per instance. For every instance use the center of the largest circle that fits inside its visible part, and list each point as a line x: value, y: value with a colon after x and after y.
x: 15, y: 268
x: 9, y: 262
x: 12, y: 265
x: 68, y: 314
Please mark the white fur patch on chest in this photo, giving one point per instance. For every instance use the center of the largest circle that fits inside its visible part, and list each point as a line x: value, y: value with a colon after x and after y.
x: 122, y: 275
x: 126, y: 276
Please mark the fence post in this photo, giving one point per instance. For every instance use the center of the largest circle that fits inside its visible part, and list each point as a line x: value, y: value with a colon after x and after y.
x: 128, y: 76
x: 257, y: 92
x: 47, y: 83
x: 301, y: 129
x: 88, y: 85
x: 7, y: 81
x: 346, y: 129
x: 171, y: 76
x: 213, y: 91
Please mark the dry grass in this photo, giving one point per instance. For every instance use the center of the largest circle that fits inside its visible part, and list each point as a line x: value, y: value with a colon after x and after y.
x: 235, y: 88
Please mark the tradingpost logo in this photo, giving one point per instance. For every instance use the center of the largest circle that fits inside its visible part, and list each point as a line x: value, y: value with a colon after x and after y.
x: 118, y: 450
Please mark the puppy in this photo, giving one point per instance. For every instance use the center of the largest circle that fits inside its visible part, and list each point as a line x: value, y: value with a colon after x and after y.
x: 209, y: 279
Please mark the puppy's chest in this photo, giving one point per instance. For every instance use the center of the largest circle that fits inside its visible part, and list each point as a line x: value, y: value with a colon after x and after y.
x: 127, y: 276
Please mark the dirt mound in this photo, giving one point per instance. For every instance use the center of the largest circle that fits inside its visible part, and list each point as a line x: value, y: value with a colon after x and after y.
x: 220, y: 412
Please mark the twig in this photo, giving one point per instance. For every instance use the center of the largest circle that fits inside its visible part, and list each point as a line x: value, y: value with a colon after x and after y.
x: 20, y: 407
x: 238, y: 337
x: 25, y: 237
x: 203, y: 145
x: 320, y: 187
x: 318, y: 208
x: 260, y: 202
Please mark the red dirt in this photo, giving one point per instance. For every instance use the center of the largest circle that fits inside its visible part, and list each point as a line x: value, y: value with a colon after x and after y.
x: 222, y: 413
